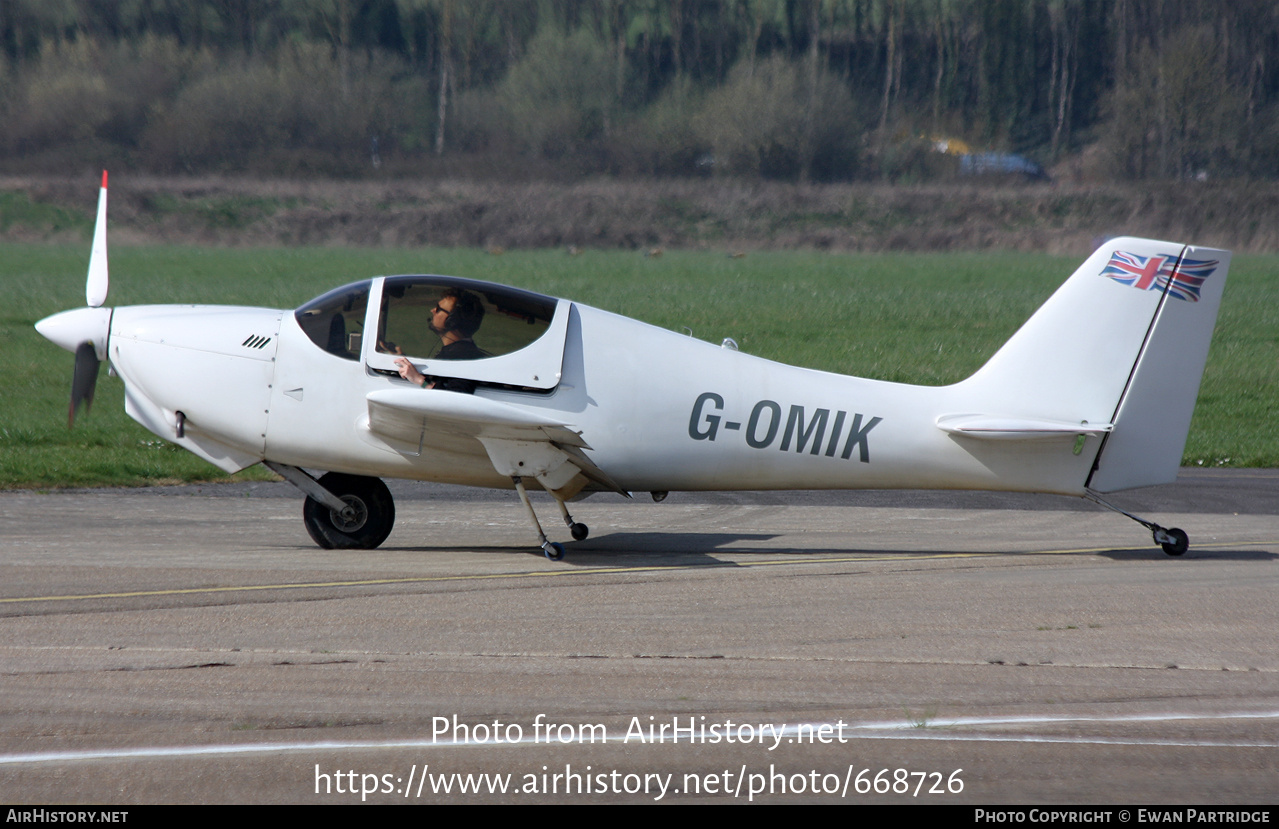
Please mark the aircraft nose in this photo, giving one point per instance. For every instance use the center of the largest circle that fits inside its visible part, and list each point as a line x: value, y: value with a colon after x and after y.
x: 69, y: 329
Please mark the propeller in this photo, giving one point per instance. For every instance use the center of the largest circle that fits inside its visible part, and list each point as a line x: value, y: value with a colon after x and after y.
x: 84, y: 381
x: 95, y: 287
x: 84, y: 331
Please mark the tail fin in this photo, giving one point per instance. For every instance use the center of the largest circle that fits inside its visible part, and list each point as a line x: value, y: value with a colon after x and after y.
x: 1121, y: 347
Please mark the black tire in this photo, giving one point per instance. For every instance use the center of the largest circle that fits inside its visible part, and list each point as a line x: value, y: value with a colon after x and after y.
x: 579, y: 531
x: 371, y: 524
x: 1179, y: 544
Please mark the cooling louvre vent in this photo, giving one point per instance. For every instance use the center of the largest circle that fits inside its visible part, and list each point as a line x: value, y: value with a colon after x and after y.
x: 255, y: 341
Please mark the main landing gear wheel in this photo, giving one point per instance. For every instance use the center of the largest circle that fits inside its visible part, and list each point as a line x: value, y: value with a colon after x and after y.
x: 362, y: 525
x: 553, y: 550
x: 1175, y: 542
x: 579, y: 531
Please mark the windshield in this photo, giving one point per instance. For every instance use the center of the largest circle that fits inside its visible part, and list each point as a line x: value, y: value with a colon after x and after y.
x: 335, y: 321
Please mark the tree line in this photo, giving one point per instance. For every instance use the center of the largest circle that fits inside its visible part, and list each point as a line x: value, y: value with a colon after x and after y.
x: 789, y: 89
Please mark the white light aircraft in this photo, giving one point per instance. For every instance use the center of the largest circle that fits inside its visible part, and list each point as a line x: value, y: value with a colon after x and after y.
x: 1093, y: 394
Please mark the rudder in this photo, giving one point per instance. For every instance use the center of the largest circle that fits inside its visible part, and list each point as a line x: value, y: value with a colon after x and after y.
x: 1152, y: 418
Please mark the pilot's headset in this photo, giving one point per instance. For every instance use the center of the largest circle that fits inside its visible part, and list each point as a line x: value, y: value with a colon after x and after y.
x: 467, y: 313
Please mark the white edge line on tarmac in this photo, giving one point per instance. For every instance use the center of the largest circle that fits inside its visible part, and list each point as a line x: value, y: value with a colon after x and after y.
x: 902, y: 730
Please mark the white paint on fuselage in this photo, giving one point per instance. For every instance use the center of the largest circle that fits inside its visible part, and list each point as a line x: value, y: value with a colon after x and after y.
x: 634, y: 391
x: 191, y: 359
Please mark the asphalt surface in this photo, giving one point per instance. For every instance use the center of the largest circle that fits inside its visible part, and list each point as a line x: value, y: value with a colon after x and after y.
x: 191, y: 645
x: 1254, y: 491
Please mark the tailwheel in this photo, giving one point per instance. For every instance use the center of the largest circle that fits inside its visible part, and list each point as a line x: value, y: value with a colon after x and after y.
x: 1174, y: 541
x: 365, y: 521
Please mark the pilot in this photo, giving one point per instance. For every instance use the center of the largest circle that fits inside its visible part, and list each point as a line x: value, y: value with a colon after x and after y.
x: 455, y: 318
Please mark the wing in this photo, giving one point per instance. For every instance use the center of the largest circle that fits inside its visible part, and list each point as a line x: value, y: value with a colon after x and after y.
x: 519, y: 442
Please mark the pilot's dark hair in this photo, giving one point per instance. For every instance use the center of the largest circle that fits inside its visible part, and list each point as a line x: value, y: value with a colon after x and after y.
x: 467, y: 313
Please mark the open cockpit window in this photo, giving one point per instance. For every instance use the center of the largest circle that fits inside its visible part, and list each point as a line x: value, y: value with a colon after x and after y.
x: 463, y: 328
x: 335, y: 321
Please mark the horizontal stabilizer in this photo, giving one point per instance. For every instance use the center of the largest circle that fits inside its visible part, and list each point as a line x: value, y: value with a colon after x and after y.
x: 990, y: 427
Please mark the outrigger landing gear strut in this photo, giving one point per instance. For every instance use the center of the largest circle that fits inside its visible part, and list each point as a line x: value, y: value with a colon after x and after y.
x: 579, y: 531
x: 553, y: 550
x: 1175, y: 542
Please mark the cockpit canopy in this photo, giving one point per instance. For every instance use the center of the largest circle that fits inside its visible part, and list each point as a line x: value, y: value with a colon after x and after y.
x: 509, y: 328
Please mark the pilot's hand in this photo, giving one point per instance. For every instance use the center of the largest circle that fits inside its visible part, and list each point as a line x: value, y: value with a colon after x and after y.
x: 409, y: 372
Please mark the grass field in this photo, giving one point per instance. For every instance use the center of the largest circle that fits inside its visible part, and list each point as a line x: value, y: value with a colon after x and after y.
x: 918, y: 318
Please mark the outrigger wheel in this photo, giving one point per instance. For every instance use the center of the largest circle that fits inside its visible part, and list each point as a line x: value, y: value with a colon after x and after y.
x: 1174, y: 541
x: 363, y: 524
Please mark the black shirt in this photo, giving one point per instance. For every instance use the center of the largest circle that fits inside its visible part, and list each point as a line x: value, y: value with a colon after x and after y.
x: 459, y: 350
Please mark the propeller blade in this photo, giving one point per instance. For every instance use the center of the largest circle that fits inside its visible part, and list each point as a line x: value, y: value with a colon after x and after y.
x: 84, y: 381
x: 95, y: 288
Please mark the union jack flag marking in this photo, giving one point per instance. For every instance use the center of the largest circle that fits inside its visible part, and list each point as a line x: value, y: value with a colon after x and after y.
x: 1153, y: 273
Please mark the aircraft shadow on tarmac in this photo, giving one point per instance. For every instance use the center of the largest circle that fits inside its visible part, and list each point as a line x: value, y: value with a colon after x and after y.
x: 650, y: 547
x: 1202, y: 554
x: 691, y: 548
